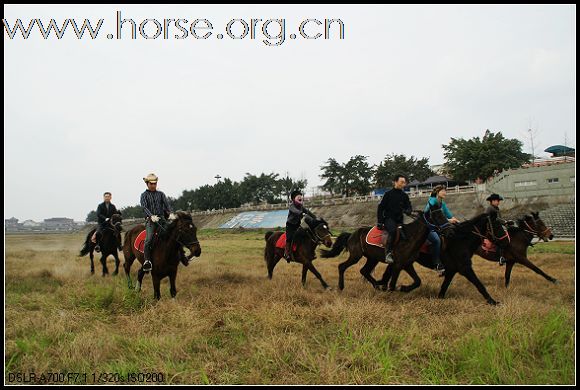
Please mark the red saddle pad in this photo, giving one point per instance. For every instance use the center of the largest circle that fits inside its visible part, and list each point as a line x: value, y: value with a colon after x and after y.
x: 281, y: 243
x: 488, y: 246
x: 374, y: 237
x: 140, y: 241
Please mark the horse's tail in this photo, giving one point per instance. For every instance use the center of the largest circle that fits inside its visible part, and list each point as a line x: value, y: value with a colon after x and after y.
x: 87, y: 245
x: 339, y: 245
x: 268, y: 234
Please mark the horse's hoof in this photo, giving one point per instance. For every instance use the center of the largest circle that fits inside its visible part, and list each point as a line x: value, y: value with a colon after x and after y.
x: 492, y: 302
x: 115, y: 273
x: 327, y: 288
x: 556, y: 281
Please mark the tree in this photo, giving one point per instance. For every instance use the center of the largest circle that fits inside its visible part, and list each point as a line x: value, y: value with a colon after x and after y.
x: 92, y: 216
x: 259, y: 189
x: 475, y: 158
x: 414, y: 169
x: 354, y: 177
x: 132, y: 212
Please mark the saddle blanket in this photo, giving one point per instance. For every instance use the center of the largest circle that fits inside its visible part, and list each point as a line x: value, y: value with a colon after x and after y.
x: 140, y: 241
x: 281, y: 243
x: 374, y: 237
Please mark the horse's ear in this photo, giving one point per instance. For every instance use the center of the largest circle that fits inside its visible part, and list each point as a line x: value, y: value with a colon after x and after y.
x: 536, y: 215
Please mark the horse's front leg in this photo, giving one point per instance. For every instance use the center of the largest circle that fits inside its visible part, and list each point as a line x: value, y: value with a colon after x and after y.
x: 117, y: 262
x: 104, y: 263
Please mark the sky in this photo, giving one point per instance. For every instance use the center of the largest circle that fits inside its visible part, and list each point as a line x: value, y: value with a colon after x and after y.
x: 85, y: 116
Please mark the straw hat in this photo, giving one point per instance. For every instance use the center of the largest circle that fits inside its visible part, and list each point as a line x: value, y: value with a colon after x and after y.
x: 150, y: 178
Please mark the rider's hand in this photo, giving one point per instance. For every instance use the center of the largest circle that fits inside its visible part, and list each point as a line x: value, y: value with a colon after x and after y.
x: 172, y: 216
x: 380, y: 226
x: 155, y: 218
x: 510, y: 223
x: 454, y: 220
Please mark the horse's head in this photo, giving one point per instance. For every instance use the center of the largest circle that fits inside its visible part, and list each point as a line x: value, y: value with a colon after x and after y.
x: 535, y: 225
x: 116, y: 221
x: 320, y: 229
x: 186, y: 233
x: 437, y: 217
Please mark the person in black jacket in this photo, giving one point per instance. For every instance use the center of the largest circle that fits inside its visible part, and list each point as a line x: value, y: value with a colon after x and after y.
x: 494, y: 200
x: 295, y: 213
x: 104, y: 213
x: 395, y: 202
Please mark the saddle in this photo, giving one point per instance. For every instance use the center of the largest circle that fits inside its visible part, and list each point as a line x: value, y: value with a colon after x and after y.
x: 140, y: 241
x: 281, y: 243
x: 374, y: 237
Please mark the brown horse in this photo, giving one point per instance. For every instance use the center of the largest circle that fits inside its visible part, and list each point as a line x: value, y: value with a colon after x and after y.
x: 517, y: 250
x: 166, y: 253
x: 406, y: 250
x: 110, y: 241
x: 306, y: 239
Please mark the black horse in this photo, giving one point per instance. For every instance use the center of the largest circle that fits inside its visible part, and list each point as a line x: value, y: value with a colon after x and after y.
x: 457, y: 252
x: 520, y: 239
x: 110, y: 241
x: 355, y: 243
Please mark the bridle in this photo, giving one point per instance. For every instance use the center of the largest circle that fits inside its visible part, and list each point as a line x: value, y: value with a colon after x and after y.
x: 533, y: 231
x: 314, y: 237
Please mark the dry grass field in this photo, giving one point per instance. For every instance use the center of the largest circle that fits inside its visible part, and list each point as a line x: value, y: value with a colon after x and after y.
x: 229, y: 324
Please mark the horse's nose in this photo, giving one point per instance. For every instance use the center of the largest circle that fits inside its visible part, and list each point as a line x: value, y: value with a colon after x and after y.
x: 551, y: 237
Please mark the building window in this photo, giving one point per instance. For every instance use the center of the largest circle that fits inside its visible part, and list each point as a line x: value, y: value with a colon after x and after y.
x: 525, y: 183
x: 553, y: 180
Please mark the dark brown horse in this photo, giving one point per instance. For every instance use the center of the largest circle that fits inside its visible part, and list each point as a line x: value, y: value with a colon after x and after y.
x: 166, y: 253
x: 457, y: 253
x: 110, y: 241
x: 306, y: 239
x: 355, y: 243
x: 517, y: 250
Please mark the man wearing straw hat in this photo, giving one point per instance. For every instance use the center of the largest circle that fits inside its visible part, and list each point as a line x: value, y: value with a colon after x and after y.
x: 156, y: 209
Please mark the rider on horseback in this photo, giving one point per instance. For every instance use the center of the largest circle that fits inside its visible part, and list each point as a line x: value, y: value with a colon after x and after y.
x: 104, y: 213
x: 493, y: 207
x: 395, y: 202
x: 295, y: 213
x: 156, y: 208
x: 437, y: 200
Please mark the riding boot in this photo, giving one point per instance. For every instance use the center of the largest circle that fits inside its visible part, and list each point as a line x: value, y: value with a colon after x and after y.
x: 98, y: 242
x: 502, y: 259
x: 439, y: 267
x: 288, y: 251
x: 147, y: 266
x: 389, y: 253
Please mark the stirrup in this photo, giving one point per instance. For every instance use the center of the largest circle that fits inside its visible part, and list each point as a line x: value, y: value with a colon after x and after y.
x: 502, y: 260
x: 147, y: 266
x: 97, y: 248
x: 440, y: 269
x: 389, y: 257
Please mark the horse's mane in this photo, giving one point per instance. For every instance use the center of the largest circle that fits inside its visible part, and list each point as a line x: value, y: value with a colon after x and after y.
x: 467, y: 226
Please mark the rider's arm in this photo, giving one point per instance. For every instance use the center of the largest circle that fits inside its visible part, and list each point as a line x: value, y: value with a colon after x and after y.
x: 144, y: 205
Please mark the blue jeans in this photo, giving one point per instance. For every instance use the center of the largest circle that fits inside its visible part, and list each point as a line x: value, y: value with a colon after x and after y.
x: 434, y: 239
